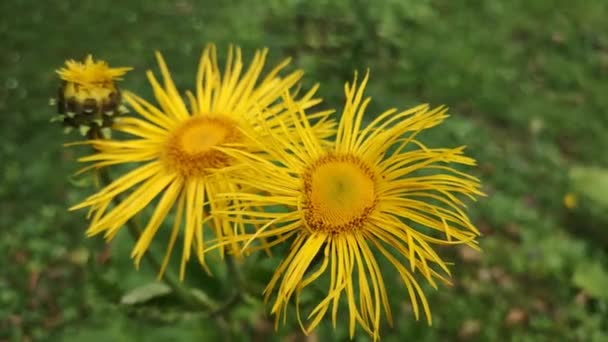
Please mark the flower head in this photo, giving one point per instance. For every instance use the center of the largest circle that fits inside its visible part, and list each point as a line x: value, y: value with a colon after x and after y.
x: 175, y: 147
x: 89, y: 96
x: 375, y: 192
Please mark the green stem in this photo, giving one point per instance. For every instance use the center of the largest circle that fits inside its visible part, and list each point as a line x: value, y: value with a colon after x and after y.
x: 238, y: 295
x: 233, y: 271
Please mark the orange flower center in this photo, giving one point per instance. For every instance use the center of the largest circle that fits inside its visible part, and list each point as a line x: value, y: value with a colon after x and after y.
x: 191, y: 148
x: 340, y: 194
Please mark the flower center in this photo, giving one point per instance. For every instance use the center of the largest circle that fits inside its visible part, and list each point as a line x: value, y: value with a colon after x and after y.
x: 339, y: 194
x: 190, y: 149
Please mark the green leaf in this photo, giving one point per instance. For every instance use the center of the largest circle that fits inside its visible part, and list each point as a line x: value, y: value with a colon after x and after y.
x: 145, y: 293
x: 592, y: 278
x: 592, y: 182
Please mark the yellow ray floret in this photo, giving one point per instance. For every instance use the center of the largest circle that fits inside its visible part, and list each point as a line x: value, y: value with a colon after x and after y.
x: 173, y: 146
x: 90, y: 73
x: 375, y: 192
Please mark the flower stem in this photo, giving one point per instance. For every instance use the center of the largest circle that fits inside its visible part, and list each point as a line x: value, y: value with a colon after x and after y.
x: 238, y: 295
x: 233, y: 271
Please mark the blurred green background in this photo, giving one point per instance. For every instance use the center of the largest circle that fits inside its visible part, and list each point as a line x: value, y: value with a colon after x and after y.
x: 527, y: 86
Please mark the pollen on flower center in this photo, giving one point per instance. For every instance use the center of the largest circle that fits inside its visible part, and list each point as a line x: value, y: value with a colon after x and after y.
x: 339, y: 193
x: 190, y: 148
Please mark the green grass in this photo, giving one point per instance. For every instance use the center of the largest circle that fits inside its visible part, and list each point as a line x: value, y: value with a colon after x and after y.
x: 526, y: 85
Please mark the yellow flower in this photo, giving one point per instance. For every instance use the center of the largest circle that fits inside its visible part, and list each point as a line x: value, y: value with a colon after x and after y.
x: 89, y: 96
x: 175, y: 149
x: 375, y: 192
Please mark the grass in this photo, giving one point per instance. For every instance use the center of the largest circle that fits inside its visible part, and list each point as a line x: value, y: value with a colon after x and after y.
x: 525, y: 82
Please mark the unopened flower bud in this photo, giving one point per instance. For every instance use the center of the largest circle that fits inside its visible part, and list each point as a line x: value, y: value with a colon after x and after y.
x: 89, y: 98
